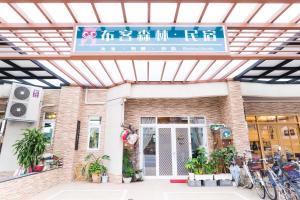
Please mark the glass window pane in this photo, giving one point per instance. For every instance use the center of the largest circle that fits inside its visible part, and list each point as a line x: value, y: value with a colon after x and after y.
x: 286, y: 118
x: 250, y: 118
x: 147, y: 120
x: 254, y: 140
x: 149, y: 149
x: 196, y: 139
x: 48, y: 130
x: 94, y: 138
x: 172, y: 120
x: 266, y: 119
x: 50, y: 115
x: 197, y: 120
x: 95, y: 121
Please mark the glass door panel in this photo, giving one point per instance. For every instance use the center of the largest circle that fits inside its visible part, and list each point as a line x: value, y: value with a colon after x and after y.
x: 182, y: 149
x: 165, y: 152
x: 270, y: 139
x: 197, y: 139
x: 149, y: 151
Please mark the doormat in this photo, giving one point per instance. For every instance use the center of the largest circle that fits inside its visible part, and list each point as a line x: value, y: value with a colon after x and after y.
x: 178, y: 181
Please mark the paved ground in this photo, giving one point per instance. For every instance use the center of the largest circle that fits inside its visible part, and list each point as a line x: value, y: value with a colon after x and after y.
x: 147, y: 190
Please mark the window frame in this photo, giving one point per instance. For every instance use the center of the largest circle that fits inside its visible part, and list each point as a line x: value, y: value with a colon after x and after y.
x: 90, y: 127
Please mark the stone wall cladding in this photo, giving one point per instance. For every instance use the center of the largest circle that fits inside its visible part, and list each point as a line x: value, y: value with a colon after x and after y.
x: 26, y: 187
x: 208, y: 107
x: 234, y: 117
x: 271, y: 108
x: 87, y: 111
x: 66, y: 124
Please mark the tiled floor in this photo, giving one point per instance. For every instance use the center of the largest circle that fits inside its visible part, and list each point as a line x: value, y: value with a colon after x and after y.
x: 147, y: 190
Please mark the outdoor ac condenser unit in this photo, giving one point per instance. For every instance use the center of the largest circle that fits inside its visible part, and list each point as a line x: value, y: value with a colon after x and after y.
x: 24, y: 103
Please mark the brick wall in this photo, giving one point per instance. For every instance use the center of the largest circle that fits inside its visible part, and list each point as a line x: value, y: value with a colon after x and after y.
x: 233, y: 116
x: 271, y: 108
x: 66, y: 124
x: 93, y: 108
x: 208, y: 107
x: 26, y: 187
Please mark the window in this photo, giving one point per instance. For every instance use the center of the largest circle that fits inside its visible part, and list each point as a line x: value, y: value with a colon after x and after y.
x: 94, y: 133
x: 49, y: 126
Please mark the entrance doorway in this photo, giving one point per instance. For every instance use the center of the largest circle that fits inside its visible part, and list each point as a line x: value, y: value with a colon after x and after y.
x: 165, y: 148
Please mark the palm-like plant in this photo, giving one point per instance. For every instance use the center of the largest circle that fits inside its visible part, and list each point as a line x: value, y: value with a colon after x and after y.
x: 30, y: 148
x: 95, y: 164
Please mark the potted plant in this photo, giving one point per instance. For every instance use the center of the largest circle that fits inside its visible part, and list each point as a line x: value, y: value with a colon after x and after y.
x: 127, y: 174
x: 223, y: 158
x: 190, y: 167
x: 128, y: 170
x: 104, y: 178
x: 30, y: 148
x: 209, y: 170
x: 95, y: 166
x: 138, y: 175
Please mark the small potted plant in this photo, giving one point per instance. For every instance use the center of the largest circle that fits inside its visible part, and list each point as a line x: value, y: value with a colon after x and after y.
x: 104, y: 178
x: 209, y: 170
x: 95, y: 167
x: 190, y: 167
x: 128, y: 173
x: 138, y: 175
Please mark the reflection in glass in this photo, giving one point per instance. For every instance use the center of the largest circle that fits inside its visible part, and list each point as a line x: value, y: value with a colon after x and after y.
x: 149, y: 149
x: 94, y: 138
x: 197, y: 120
x: 172, y: 120
x: 196, y: 139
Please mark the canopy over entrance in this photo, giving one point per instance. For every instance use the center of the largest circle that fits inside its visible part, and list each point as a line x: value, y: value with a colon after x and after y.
x: 36, y: 42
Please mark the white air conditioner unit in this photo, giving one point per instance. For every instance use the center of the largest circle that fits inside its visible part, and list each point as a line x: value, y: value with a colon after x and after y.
x: 24, y: 103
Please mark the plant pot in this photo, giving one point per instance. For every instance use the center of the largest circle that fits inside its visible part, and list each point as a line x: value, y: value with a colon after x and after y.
x: 96, y: 178
x: 209, y: 183
x: 127, y: 180
x: 104, y: 179
x: 225, y: 182
x: 191, y: 176
x: 203, y: 177
x: 38, y: 168
x: 223, y: 177
x: 191, y: 183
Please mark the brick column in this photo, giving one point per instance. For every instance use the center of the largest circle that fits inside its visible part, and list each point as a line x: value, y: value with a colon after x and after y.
x: 234, y: 117
x: 66, y: 124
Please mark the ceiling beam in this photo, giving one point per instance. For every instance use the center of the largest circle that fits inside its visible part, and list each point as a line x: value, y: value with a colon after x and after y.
x: 152, y: 1
x: 149, y: 56
x: 70, y: 26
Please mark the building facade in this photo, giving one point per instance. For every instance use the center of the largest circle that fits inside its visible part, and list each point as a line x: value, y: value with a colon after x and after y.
x: 172, y: 120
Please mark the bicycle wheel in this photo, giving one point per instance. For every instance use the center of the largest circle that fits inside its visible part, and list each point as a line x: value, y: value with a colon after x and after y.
x: 260, y: 189
x: 290, y: 191
x: 245, y: 180
x: 270, y: 186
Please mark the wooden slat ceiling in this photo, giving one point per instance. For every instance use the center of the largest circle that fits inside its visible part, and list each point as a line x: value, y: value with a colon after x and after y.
x: 263, y: 40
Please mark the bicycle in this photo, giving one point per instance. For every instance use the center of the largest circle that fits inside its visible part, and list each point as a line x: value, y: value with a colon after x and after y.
x: 279, y: 177
x: 254, y: 177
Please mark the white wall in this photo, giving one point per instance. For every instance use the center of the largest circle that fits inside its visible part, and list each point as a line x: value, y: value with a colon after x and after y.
x: 179, y: 91
x: 14, y: 130
x: 113, y: 145
x: 270, y: 90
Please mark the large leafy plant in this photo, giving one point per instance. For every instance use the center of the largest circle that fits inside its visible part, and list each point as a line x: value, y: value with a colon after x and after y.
x: 95, y: 164
x: 30, y: 148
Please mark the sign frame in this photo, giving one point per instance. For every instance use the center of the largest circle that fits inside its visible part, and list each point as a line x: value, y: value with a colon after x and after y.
x: 145, y: 53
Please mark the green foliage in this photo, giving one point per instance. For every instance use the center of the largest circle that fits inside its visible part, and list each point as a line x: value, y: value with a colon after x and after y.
x: 95, y: 164
x: 30, y: 148
x: 223, y: 158
x: 218, y: 162
x: 128, y: 170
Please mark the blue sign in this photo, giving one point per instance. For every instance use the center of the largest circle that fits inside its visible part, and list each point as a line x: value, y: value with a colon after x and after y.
x: 138, y: 39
